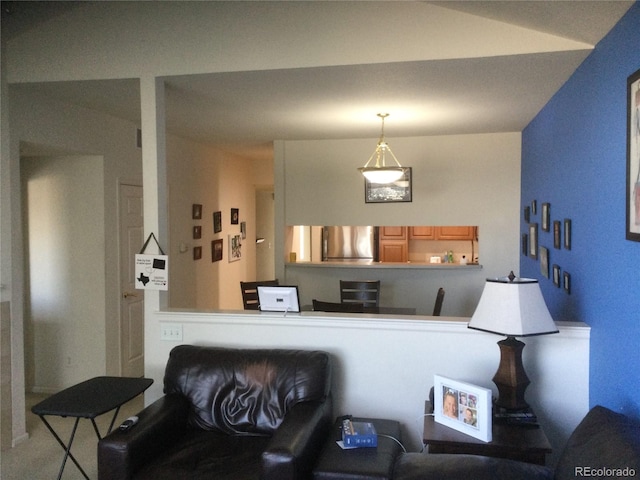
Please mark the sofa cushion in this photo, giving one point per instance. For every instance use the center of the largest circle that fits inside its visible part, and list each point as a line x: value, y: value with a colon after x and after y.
x: 204, y: 455
x: 245, y: 391
x: 603, y: 440
x: 448, y: 466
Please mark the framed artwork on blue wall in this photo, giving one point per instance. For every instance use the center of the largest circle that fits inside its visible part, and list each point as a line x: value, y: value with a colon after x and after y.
x: 633, y: 157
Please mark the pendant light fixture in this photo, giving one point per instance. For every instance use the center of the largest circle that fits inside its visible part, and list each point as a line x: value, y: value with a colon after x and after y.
x: 380, y: 172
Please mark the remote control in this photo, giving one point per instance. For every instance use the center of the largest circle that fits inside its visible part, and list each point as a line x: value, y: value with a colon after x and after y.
x: 128, y: 423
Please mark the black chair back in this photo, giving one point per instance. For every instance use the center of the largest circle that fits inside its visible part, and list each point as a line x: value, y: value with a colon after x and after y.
x: 439, y: 300
x: 366, y: 292
x: 250, y: 292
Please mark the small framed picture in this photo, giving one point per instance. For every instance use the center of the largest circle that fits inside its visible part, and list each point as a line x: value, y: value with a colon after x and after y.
x: 566, y: 282
x: 197, y: 232
x: 235, y: 248
x: 534, y: 207
x: 567, y: 234
x: 216, y: 250
x: 196, y: 211
x: 556, y: 275
x: 235, y: 216
x: 545, y: 217
x: 527, y: 214
x: 243, y: 230
x: 533, y: 240
x: 217, y: 222
x: 197, y: 253
x: 524, y: 242
x: 633, y: 157
x: 544, y: 261
x: 463, y: 407
x: 557, y: 234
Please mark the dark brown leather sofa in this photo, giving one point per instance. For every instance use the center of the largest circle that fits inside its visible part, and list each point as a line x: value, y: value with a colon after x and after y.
x: 605, y: 444
x: 228, y: 414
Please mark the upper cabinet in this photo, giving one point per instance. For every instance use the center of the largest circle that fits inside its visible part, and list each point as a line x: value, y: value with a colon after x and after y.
x: 442, y: 233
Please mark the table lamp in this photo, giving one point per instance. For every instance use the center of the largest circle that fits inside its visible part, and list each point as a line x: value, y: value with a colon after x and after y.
x: 513, y: 307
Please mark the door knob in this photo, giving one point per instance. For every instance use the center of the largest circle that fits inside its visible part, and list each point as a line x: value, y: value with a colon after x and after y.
x: 129, y: 294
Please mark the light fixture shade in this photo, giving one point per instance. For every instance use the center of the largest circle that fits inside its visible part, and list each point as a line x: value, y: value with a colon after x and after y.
x: 514, y: 308
x: 382, y: 174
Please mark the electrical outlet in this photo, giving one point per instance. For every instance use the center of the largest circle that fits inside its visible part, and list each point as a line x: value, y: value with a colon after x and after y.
x: 171, y: 332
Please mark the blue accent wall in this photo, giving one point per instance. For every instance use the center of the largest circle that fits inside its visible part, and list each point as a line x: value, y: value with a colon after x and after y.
x: 574, y: 157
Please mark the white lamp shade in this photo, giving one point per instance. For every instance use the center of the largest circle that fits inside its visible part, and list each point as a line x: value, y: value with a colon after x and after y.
x: 382, y: 174
x: 512, y: 308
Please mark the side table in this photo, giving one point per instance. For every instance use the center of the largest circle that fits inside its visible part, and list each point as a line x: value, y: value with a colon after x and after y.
x: 89, y: 399
x: 360, y: 463
x: 526, y: 443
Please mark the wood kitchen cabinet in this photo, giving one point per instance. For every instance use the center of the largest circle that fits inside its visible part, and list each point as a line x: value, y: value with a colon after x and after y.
x: 442, y: 233
x: 393, y: 244
x: 456, y: 233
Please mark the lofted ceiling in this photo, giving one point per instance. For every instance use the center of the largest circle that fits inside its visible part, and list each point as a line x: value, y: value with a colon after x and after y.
x: 439, y: 95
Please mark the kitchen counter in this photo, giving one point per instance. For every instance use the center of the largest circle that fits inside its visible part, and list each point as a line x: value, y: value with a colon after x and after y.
x: 384, y: 265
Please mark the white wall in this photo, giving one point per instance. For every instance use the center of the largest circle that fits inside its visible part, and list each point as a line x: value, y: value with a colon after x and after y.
x: 218, y: 181
x: 457, y: 180
x: 384, y: 367
x: 65, y: 305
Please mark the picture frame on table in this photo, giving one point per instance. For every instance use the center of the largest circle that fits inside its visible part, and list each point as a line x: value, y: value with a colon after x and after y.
x: 633, y: 157
x: 398, y: 191
x: 463, y: 406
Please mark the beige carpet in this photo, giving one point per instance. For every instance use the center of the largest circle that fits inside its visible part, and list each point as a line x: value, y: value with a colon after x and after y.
x: 40, y: 457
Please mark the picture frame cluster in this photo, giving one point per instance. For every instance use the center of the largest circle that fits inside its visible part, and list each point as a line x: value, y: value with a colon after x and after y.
x: 217, y: 244
x: 534, y: 242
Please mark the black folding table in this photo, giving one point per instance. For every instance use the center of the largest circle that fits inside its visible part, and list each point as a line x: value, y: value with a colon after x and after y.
x: 89, y: 399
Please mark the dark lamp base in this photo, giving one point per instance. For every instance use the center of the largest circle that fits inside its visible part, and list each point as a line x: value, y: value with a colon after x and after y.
x: 511, y: 378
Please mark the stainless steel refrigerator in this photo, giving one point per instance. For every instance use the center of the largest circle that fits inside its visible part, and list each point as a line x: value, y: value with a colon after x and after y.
x: 349, y: 243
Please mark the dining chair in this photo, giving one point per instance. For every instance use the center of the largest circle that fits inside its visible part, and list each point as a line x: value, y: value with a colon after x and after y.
x: 439, y: 300
x: 250, y: 292
x: 320, y: 306
x: 366, y: 292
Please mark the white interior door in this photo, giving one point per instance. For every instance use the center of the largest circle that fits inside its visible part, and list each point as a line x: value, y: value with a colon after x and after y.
x: 131, y: 300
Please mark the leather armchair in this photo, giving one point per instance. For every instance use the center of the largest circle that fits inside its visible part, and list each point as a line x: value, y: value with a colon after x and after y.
x: 228, y: 414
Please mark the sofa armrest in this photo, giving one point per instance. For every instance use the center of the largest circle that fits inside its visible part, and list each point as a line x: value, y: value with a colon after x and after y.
x: 294, y: 448
x: 121, y: 454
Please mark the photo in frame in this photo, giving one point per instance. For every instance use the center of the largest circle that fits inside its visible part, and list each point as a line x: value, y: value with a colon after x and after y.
x: 556, y: 275
x: 235, y: 248
x: 398, y: 191
x: 196, y: 211
x: 235, y: 216
x: 217, y: 222
x: 216, y: 250
x: 557, y: 234
x: 544, y: 261
x: 533, y: 240
x: 633, y: 157
x: 545, y: 216
x: 567, y: 234
x: 197, y: 253
x: 463, y: 406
